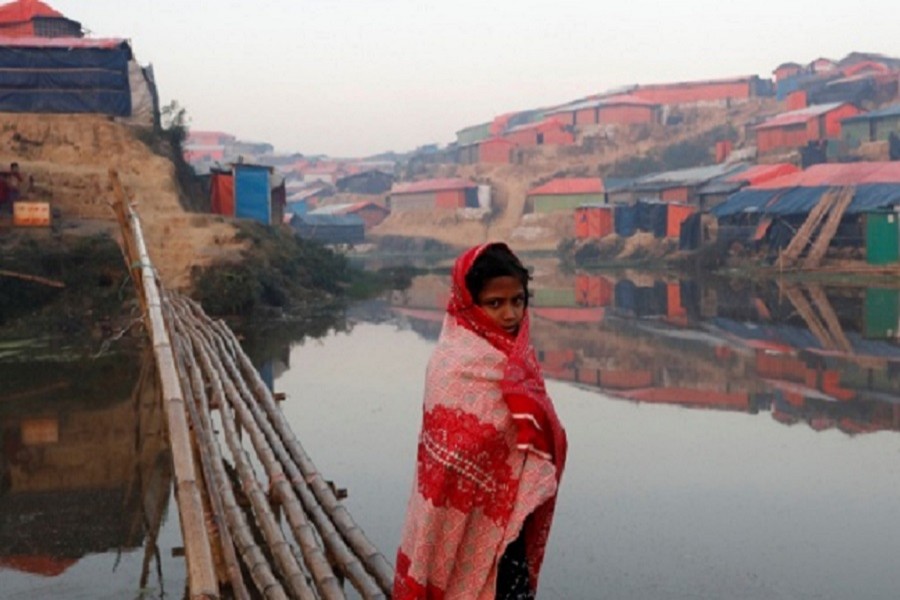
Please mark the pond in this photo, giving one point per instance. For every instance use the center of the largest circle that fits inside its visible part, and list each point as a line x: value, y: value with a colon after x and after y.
x: 726, y: 441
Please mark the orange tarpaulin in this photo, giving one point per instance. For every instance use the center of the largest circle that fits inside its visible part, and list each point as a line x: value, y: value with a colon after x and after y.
x: 221, y: 192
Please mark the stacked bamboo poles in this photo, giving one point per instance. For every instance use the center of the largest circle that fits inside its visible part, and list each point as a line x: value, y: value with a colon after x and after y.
x: 213, y: 373
x: 310, y: 523
x: 202, y: 580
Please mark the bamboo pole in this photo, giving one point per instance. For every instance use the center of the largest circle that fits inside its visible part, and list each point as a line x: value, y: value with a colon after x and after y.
x: 242, y: 535
x: 192, y: 380
x: 335, y: 524
x: 32, y: 278
x: 266, y: 520
x: 202, y: 582
x: 323, y: 576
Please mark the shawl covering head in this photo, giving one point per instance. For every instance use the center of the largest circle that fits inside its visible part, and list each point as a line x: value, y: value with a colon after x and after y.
x: 490, y: 456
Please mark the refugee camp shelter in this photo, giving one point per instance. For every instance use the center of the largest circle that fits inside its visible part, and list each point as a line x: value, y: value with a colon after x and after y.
x: 662, y: 219
x: 330, y: 229
x: 704, y: 92
x: 874, y: 126
x: 371, y: 213
x: 681, y: 185
x: 622, y: 109
x: 74, y: 75
x: 248, y: 191
x: 772, y: 211
x: 796, y: 128
x: 565, y: 194
x: 32, y: 18
x: 719, y: 189
x: 368, y: 182
x: 594, y: 221
x: 550, y: 132
x: 434, y: 194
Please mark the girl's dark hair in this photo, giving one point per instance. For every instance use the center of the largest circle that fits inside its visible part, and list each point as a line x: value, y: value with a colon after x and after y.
x: 497, y: 260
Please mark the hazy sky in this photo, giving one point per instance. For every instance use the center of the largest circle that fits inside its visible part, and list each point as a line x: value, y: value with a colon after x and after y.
x: 353, y: 77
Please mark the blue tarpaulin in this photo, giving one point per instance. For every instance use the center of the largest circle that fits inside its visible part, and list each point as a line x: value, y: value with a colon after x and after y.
x: 801, y: 200
x: 58, y: 79
x: 252, y: 199
x: 625, y: 220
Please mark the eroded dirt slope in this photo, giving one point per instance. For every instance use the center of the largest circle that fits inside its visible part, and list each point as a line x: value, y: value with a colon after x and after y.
x: 69, y: 158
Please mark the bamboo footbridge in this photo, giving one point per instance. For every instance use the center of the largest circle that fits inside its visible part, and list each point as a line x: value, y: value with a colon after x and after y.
x: 258, y: 519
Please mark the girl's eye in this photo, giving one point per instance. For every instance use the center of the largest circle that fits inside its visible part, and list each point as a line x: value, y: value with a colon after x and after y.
x: 494, y: 303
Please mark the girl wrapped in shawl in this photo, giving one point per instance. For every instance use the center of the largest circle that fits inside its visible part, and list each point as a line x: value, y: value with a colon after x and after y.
x: 491, y: 450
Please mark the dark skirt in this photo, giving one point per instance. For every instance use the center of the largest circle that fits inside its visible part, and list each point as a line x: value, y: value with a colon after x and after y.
x: 513, y: 579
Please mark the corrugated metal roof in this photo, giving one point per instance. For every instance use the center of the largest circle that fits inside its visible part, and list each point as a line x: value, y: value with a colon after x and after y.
x: 692, y: 176
x: 888, y: 111
x: 432, y: 185
x: 618, y: 100
x: 802, y: 115
x: 569, y: 186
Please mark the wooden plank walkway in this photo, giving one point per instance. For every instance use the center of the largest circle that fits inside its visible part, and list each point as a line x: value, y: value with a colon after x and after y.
x: 258, y: 519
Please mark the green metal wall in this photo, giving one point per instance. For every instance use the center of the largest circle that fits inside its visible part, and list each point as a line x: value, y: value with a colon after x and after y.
x: 564, y: 202
x: 855, y: 133
x: 881, y: 313
x: 885, y: 126
x: 473, y: 134
x: 882, y: 238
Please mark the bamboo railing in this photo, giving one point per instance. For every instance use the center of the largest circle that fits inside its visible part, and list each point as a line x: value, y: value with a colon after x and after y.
x: 252, y: 473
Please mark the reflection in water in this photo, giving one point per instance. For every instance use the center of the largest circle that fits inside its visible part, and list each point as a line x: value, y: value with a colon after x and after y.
x: 85, y: 474
x: 829, y: 358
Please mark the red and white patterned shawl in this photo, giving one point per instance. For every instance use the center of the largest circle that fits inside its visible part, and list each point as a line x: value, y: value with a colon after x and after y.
x: 490, y: 456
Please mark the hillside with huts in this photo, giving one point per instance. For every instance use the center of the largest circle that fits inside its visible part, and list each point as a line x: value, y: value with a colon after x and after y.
x: 746, y: 163
x: 644, y: 170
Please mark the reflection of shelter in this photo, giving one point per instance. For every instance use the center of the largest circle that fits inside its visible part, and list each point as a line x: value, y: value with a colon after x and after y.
x: 330, y: 228
x: 80, y: 475
x: 371, y: 182
x: 371, y: 213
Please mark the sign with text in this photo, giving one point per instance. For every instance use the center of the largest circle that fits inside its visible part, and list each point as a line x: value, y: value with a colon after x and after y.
x: 31, y: 214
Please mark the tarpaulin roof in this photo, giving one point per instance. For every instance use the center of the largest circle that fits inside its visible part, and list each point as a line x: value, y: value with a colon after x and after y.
x: 61, y: 42
x: 686, y: 177
x: 432, y: 185
x: 802, y: 115
x: 25, y: 10
x: 888, y: 111
x: 833, y: 174
x: 760, y: 173
x: 593, y: 185
x: 801, y: 200
x: 329, y: 220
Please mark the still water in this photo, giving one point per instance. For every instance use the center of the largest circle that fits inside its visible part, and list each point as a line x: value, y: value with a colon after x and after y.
x: 726, y: 441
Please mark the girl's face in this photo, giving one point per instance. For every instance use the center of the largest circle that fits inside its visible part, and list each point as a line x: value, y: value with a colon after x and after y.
x: 503, y: 299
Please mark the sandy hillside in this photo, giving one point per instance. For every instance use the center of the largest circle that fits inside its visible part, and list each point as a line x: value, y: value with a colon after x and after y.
x: 510, y: 183
x: 69, y: 157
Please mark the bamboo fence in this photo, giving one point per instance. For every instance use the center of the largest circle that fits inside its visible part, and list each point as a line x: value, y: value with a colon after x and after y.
x: 270, y: 524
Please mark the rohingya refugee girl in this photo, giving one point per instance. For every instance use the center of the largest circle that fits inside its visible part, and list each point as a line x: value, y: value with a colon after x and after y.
x: 491, y: 450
